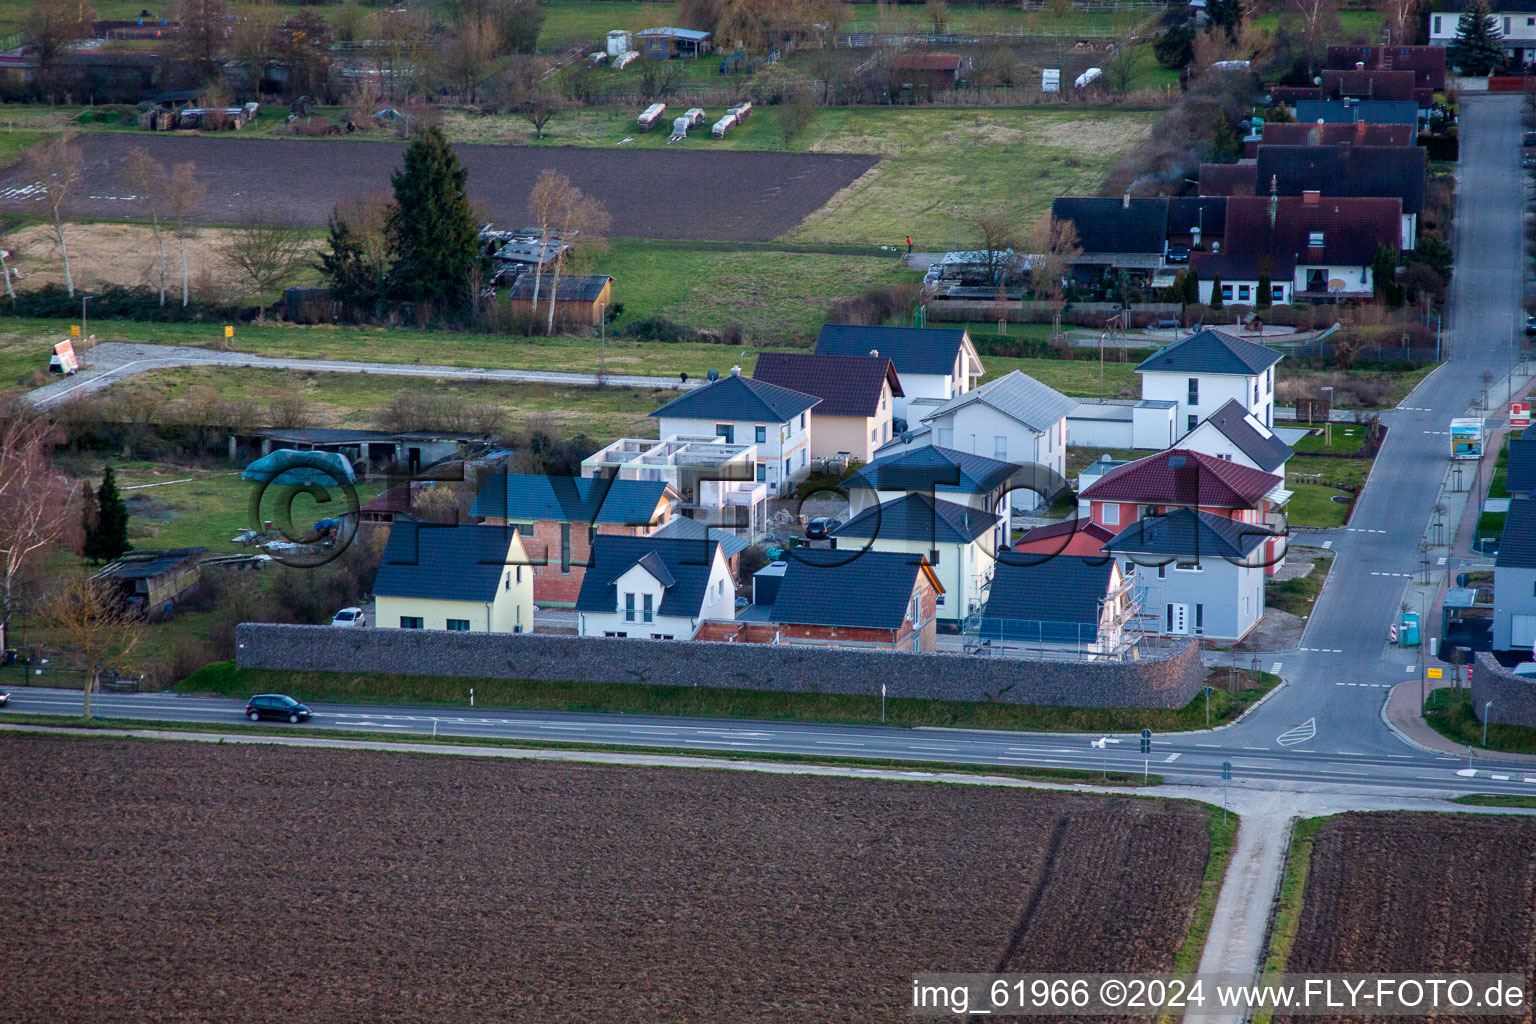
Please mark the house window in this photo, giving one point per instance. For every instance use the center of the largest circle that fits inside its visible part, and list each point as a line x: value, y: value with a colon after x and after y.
x: 661, y: 636
x: 1437, y: 24
x: 1110, y: 514
x: 609, y: 632
x: 1000, y: 447
x: 1199, y: 619
x: 1188, y: 567
x: 760, y: 433
x: 1255, y: 391
x: 727, y: 431
x: 1226, y: 293
x: 1315, y: 239
x: 1506, y: 26
x: 648, y: 610
x: 874, y: 435
x: 933, y: 556
x: 720, y: 588
x: 762, y: 472
x: 802, y: 421
x: 458, y: 625
x: 1194, y: 391
x: 1269, y: 380
x: 1317, y: 279
x: 565, y: 548
x: 786, y: 469
x: 1277, y: 293
x: 1162, y: 571
x: 1192, y: 422
x: 1244, y: 292
x: 802, y: 458
x: 410, y: 622
x: 519, y: 574
x: 938, y: 601
x: 885, y: 431
x: 629, y: 607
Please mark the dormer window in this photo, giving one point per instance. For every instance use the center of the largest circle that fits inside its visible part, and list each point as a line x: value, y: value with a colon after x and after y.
x: 1315, y: 239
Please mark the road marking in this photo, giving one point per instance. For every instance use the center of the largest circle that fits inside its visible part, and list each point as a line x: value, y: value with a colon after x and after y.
x: 1408, y: 668
x: 1528, y: 779
x: 1170, y: 757
x: 1467, y: 773
x: 1398, y: 575
x: 1322, y: 650
x: 1275, y: 669
x: 1327, y: 543
x: 1438, y: 433
x: 1255, y: 748
x: 1403, y: 756
x: 1212, y: 745
x: 1330, y: 771
x: 1299, y: 734
x: 1500, y: 778
x: 1351, y: 753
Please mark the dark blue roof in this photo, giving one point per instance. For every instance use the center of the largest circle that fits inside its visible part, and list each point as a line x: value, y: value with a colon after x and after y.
x: 687, y: 562
x: 920, y: 517
x: 1267, y: 452
x: 931, y: 468
x: 443, y: 563
x: 692, y: 529
x: 930, y: 350
x: 1186, y: 532
x: 1522, y: 463
x: 735, y: 397
x: 828, y: 587
x: 1358, y: 112
x: 531, y: 497
x: 1517, y: 545
x: 1211, y: 351
x: 1053, y: 600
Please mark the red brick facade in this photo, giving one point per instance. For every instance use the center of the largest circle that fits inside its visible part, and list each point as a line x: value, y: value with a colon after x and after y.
x: 560, y: 552
x: 899, y: 639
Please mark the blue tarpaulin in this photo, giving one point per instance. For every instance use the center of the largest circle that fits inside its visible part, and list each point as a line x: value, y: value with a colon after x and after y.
x: 290, y: 466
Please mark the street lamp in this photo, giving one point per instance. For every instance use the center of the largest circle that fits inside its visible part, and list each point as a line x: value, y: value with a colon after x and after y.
x: 1486, y: 708
x: 83, y: 300
x: 602, y: 327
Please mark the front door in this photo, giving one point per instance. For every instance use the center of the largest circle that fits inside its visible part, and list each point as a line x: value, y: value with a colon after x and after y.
x: 1178, y: 619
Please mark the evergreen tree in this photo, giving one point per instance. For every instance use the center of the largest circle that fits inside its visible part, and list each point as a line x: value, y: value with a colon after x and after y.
x: 346, y: 272
x: 432, y: 230
x: 1226, y: 144
x: 1192, y: 287
x: 110, y: 537
x: 1263, y: 300
x: 1226, y: 15
x: 1384, y: 276
x: 1478, y: 48
x: 1175, y: 48
x: 89, y: 516
x: 1215, y: 291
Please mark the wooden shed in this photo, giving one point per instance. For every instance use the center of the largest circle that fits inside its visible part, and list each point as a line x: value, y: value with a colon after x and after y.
x: 150, y: 581
x: 582, y: 298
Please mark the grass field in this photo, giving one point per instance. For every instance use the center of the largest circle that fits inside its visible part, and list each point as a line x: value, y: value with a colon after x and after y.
x: 1450, y: 713
x: 1315, y: 481
x: 225, y: 679
x: 1298, y: 595
x: 1346, y: 438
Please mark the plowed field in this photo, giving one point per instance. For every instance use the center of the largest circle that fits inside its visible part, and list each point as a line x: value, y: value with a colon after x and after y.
x: 179, y: 881
x: 1420, y: 893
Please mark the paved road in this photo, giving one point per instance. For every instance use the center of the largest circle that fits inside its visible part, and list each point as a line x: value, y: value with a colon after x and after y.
x: 114, y: 361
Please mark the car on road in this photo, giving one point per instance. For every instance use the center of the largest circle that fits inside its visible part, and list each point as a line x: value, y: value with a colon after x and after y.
x: 350, y: 617
x: 5, y: 698
x: 278, y: 707
x: 819, y: 528
x: 1530, y: 139
x: 1178, y: 254
x: 1530, y: 325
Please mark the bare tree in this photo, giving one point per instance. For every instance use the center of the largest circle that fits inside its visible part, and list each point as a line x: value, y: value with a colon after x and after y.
x: 52, y: 25
x: 540, y: 107
x: 796, y: 115
x: 265, y: 255
x: 1124, y: 66
x: 34, y: 502
x: 465, y: 58
x: 567, y: 218
x: 57, y: 165
x: 94, y: 629
x: 1318, y: 20
x: 1053, y: 249
x: 150, y: 184
x: 658, y: 78
x: 252, y: 46
x: 999, y: 243
x: 182, y: 198
x: 204, y: 28
x: 1399, y: 15
x: 936, y: 12
x: 400, y: 44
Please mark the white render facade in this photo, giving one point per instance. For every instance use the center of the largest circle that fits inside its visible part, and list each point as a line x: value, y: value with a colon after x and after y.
x: 1197, y: 395
x: 783, y: 449
x: 1206, y: 597
x: 638, y: 602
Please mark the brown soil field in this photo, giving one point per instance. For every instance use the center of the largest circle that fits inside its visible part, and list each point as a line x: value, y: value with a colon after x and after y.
x: 183, y: 881
x: 723, y: 195
x: 1420, y: 893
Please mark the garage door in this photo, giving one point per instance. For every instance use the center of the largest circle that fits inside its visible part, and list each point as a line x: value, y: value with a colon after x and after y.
x: 1522, y: 631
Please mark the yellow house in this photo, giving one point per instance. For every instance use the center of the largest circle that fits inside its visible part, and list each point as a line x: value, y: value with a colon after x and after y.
x: 468, y: 578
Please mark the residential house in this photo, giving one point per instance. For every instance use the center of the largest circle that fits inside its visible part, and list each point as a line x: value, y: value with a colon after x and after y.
x: 717, y: 482
x: 1514, y: 580
x: 933, y: 364
x: 683, y: 528
x: 953, y: 476
x: 1146, y: 424
x: 1126, y: 234
x: 1359, y: 133
x: 1426, y: 62
x: 957, y: 541
x: 665, y: 43
x: 881, y: 600
x: 1199, y: 222
x: 1202, y: 575
x: 1227, y: 180
x: 656, y: 588
x: 1515, y: 21
x: 1362, y: 84
x: 559, y: 516
x: 1182, y: 478
x: 1347, y: 172
x: 858, y: 398
x: 1082, y: 537
x: 464, y: 578
x: 371, y: 449
x: 1233, y: 434
x: 1311, y: 247
x: 745, y: 411
x: 1404, y: 112
x: 1208, y: 369
x: 1014, y: 418
x: 581, y: 299
x: 1068, y: 602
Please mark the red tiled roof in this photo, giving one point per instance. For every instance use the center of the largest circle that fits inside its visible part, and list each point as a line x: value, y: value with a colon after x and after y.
x: 1068, y: 537
x: 1352, y: 230
x: 846, y: 385
x: 1426, y: 62
x: 1227, y: 179
x: 1359, y: 134
x: 1368, y: 85
x: 1180, y: 476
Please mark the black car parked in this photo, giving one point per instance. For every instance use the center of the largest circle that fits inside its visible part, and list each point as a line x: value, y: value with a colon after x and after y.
x: 276, y: 706
x: 819, y: 528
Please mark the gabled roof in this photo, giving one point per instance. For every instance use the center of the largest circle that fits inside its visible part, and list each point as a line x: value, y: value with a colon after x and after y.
x: 1252, y: 438
x: 686, y: 562
x: 1352, y: 230
x: 931, y: 468
x: 924, y: 350
x: 1070, y: 536
x: 1396, y: 172
x: 435, y: 562
x: 1517, y: 545
x: 1182, y: 476
x: 145, y: 565
x: 1227, y: 180
x: 846, y: 385
x: 920, y: 517
x: 532, y: 497
x: 1018, y: 396
x: 1350, y: 111
x: 1369, y: 85
x: 1055, y: 600
x: 738, y: 398
x: 1211, y: 351
x: 573, y: 287
x: 828, y: 587
x: 1188, y: 533
x: 1111, y: 226
x: 1285, y: 133
x: 924, y: 62
x: 683, y: 528
x: 1426, y: 62
x: 1207, y: 214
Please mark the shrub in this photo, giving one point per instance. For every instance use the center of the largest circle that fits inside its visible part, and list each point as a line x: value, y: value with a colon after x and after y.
x: 52, y: 302
x: 659, y: 328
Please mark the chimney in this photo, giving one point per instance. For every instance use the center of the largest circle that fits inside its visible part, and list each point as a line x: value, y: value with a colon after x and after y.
x: 874, y: 352
x: 1274, y: 198
x: 1314, y: 137
x: 1359, y: 65
x: 1311, y: 197
x: 735, y: 371
x: 1125, y: 200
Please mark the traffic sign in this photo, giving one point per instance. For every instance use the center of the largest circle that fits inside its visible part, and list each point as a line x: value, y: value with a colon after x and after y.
x: 1146, y: 741
x: 1436, y: 673
x: 1226, y: 770
x: 1209, y: 690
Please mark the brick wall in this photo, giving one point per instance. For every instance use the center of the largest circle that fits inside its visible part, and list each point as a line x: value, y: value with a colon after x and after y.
x: 1514, y: 697
x: 1161, y: 679
x: 551, y: 585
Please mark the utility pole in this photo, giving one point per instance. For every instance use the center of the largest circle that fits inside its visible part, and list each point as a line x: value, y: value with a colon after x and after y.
x: 1486, y: 709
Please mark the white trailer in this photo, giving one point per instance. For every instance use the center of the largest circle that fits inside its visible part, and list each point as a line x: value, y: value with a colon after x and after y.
x: 620, y: 42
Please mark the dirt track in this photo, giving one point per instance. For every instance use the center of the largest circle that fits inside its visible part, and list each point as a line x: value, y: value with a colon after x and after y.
x: 722, y: 195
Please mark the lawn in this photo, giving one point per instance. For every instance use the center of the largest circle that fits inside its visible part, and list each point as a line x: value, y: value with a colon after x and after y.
x: 1449, y: 712
x: 1297, y: 595
x: 367, y: 687
x: 1078, y: 378
x: 1346, y: 438
x: 1491, y: 524
x: 1315, y: 481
